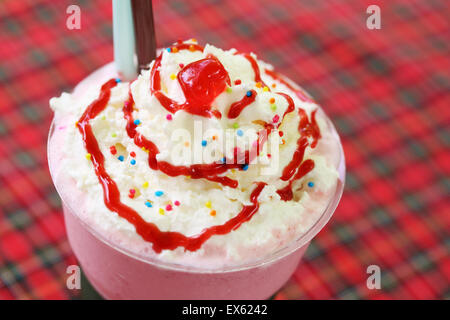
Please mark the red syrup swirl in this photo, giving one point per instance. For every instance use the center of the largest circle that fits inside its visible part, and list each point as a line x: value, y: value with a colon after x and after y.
x: 237, y: 107
x: 149, y: 231
x: 255, y: 68
x: 161, y: 240
x: 299, y: 93
x: 297, y: 166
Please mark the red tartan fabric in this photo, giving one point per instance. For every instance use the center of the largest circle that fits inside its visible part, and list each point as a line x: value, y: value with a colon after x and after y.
x: 386, y: 90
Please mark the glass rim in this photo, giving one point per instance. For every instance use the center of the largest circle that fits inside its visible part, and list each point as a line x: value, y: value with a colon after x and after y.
x: 266, y: 259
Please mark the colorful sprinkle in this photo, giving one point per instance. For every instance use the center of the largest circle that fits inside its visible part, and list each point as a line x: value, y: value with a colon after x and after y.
x: 177, y: 203
x: 258, y: 85
x: 121, y: 158
x: 249, y: 93
x: 131, y: 193
x: 148, y: 204
x: 204, y: 143
x: 113, y: 135
x: 310, y: 184
x: 274, y: 85
x: 168, y: 49
x: 214, y: 137
x: 173, y: 76
x: 133, y: 154
x: 272, y: 100
x: 265, y: 89
x: 169, y: 207
x: 237, y: 82
x: 174, y: 49
x: 245, y: 167
x: 186, y: 144
x: 228, y: 90
x: 113, y: 150
x: 133, y: 162
x: 281, y: 133
x: 88, y: 156
x: 208, y: 204
x: 240, y: 133
x: 273, y: 107
x: 224, y: 160
x: 145, y: 185
x: 276, y: 118
x: 213, y: 213
x: 159, y: 193
x: 235, y: 125
x: 191, y: 47
x: 118, y: 80
x: 169, y: 117
x: 161, y: 211
x: 181, y: 65
x: 137, y: 122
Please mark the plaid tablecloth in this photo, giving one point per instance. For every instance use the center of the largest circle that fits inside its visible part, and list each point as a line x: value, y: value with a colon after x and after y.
x: 386, y: 90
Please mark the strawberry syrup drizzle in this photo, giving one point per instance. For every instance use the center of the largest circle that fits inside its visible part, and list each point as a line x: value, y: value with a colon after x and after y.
x: 237, y: 107
x: 171, y: 240
x: 161, y: 240
x: 297, y: 166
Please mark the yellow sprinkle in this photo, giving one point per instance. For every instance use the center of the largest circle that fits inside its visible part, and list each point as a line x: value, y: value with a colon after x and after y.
x: 229, y: 90
x: 173, y: 76
x: 114, y: 135
x: 103, y: 118
x: 88, y: 156
x: 266, y: 89
x: 208, y: 204
x: 145, y: 185
x: 161, y: 211
x: 213, y: 213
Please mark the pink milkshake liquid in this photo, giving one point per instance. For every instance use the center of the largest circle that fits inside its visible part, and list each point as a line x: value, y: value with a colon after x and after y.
x: 123, y: 272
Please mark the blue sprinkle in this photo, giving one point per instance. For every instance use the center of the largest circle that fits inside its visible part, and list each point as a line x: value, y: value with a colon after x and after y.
x: 137, y: 122
x: 168, y: 49
x: 204, y: 143
x: 159, y: 193
x: 310, y: 184
x: 240, y: 133
x: 245, y: 167
x: 133, y: 162
x: 118, y: 80
x: 121, y: 158
x: 224, y: 160
x: 148, y: 204
x: 249, y: 93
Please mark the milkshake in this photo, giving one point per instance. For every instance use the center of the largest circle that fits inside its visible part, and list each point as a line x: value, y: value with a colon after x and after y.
x: 204, y: 178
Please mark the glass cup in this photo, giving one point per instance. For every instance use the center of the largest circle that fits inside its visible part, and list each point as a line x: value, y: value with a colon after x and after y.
x: 117, y: 272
